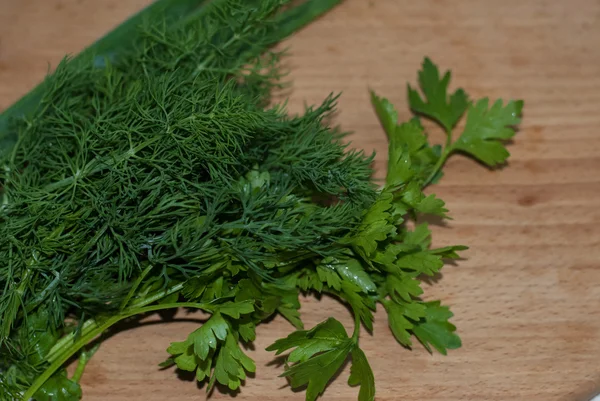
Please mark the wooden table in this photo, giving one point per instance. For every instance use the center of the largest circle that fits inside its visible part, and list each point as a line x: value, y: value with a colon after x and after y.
x: 526, y: 300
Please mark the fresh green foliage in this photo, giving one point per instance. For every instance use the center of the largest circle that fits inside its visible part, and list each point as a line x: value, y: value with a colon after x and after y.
x: 154, y: 173
x: 215, y: 341
x: 413, y: 165
x: 435, y: 330
x: 361, y: 375
x: 438, y: 104
x: 318, y: 355
x: 486, y: 128
x: 386, y: 250
x: 59, y: 388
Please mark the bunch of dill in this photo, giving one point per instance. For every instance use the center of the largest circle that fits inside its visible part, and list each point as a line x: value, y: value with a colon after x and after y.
x: 159, y: 177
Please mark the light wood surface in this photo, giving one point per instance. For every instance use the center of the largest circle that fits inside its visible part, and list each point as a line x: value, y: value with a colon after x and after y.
x: 526, y: 299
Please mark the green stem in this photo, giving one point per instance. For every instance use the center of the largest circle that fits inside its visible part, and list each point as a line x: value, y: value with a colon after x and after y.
x: 135, y: 286
x: 64, y: 356
x: 356, y: 327
x: 90, y: 324
x: 63, y: 342
x: 443, y: 157
x: 296, y: 18
x: 82, y: 363
x: 157, y: 296
x: 92, y: 331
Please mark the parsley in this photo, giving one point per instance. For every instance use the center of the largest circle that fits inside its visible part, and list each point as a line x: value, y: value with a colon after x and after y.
x: 215, y: 341
x: 150, y: 173
x: 319, y: 353
x: 486, y: 127
x: 438, y: 105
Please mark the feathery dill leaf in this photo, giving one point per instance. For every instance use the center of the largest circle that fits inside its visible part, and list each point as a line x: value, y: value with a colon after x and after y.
x: 111, y: 45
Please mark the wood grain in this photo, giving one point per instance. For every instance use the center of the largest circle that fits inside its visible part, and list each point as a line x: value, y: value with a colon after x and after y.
x: 526, y: 299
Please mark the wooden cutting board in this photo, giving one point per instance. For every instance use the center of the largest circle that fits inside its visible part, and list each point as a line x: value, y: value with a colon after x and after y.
x: 526, y: 299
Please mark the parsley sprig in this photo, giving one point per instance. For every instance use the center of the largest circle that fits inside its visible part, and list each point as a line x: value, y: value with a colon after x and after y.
x: 151, y: 173
x: 486, y: 127
x: 387, y: 259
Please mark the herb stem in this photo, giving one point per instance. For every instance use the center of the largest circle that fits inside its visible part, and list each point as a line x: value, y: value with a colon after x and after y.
x: 159, y: 295
x: 443, y: 157
x: 356, y: 333
x: 61, y: 344
x: 84, y: 358
x: 68, y: 353
x: 92, y: 331
x: 296, y: 18
x: 90, y: 324
x: 135, y: 286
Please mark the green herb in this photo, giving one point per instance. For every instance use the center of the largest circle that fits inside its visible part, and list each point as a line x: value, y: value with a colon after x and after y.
x: 318, y: 355
x: 111, y: 46
x: 161, y: 178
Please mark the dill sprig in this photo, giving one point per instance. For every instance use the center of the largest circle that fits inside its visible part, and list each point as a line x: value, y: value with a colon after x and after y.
x: 143, y: 174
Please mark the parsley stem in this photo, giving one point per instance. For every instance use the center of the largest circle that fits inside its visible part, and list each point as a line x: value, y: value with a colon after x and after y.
x: 84, y: 358
x: 157, y: 296
x: 90, y: 324
x: 68, y: 353
x: 61, y: 344
x: 64, y: 349
x: 93, y: 330
x: 356, y: 327
x: 154, y: 308
x: 443, y: 157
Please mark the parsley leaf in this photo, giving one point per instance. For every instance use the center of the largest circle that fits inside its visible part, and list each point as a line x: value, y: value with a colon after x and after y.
x: 487, y: 128
x: 231, y: 365
x: 361, y: 374
x: 435, y: 330
x: 318, y: 355
x: 449, y: 252
x: 423, y: 262
x: 387, y: 114
x: 362, y: 304
x: 375, y: 226
x: 292, y: 315
x: 236, y: 309
x: 215, y: 345
x: 432, y: 205
x: 401, y: 318
x: 399, y: 325
x: 438, y: 105
x: 318, y: 371
x: 421, y: 236
x: 325, y: 336
x: 403, y: 288
x: 59, y: 388
x: 351, y: 270
x: 410, y: 156
x: 199, y: 343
